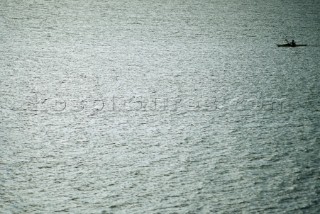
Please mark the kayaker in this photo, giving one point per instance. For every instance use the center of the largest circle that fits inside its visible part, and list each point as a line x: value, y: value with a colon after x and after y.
x: 293, y: 43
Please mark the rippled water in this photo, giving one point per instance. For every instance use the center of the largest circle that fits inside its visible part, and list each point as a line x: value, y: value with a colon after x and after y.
x: 159, y: 106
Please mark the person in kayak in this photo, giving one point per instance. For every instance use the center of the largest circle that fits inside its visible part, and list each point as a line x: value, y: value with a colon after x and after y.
x: 293, y: 43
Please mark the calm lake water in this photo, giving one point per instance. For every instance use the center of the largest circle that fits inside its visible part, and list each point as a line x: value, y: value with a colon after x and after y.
x: 164, y: 106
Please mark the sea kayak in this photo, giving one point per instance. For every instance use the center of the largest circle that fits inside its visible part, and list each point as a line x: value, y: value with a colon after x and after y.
x: 290, y: 45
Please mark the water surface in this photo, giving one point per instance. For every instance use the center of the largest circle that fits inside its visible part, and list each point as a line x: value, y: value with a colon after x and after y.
x: 159, y: 107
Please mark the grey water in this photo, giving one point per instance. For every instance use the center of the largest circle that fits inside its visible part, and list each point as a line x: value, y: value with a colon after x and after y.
x: 177, y: 106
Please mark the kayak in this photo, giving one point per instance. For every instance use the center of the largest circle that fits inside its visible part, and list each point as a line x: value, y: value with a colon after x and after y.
x: 290, y: 45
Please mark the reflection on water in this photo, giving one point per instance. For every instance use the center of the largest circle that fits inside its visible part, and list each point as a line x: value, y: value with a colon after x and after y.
x: 159, y: 107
